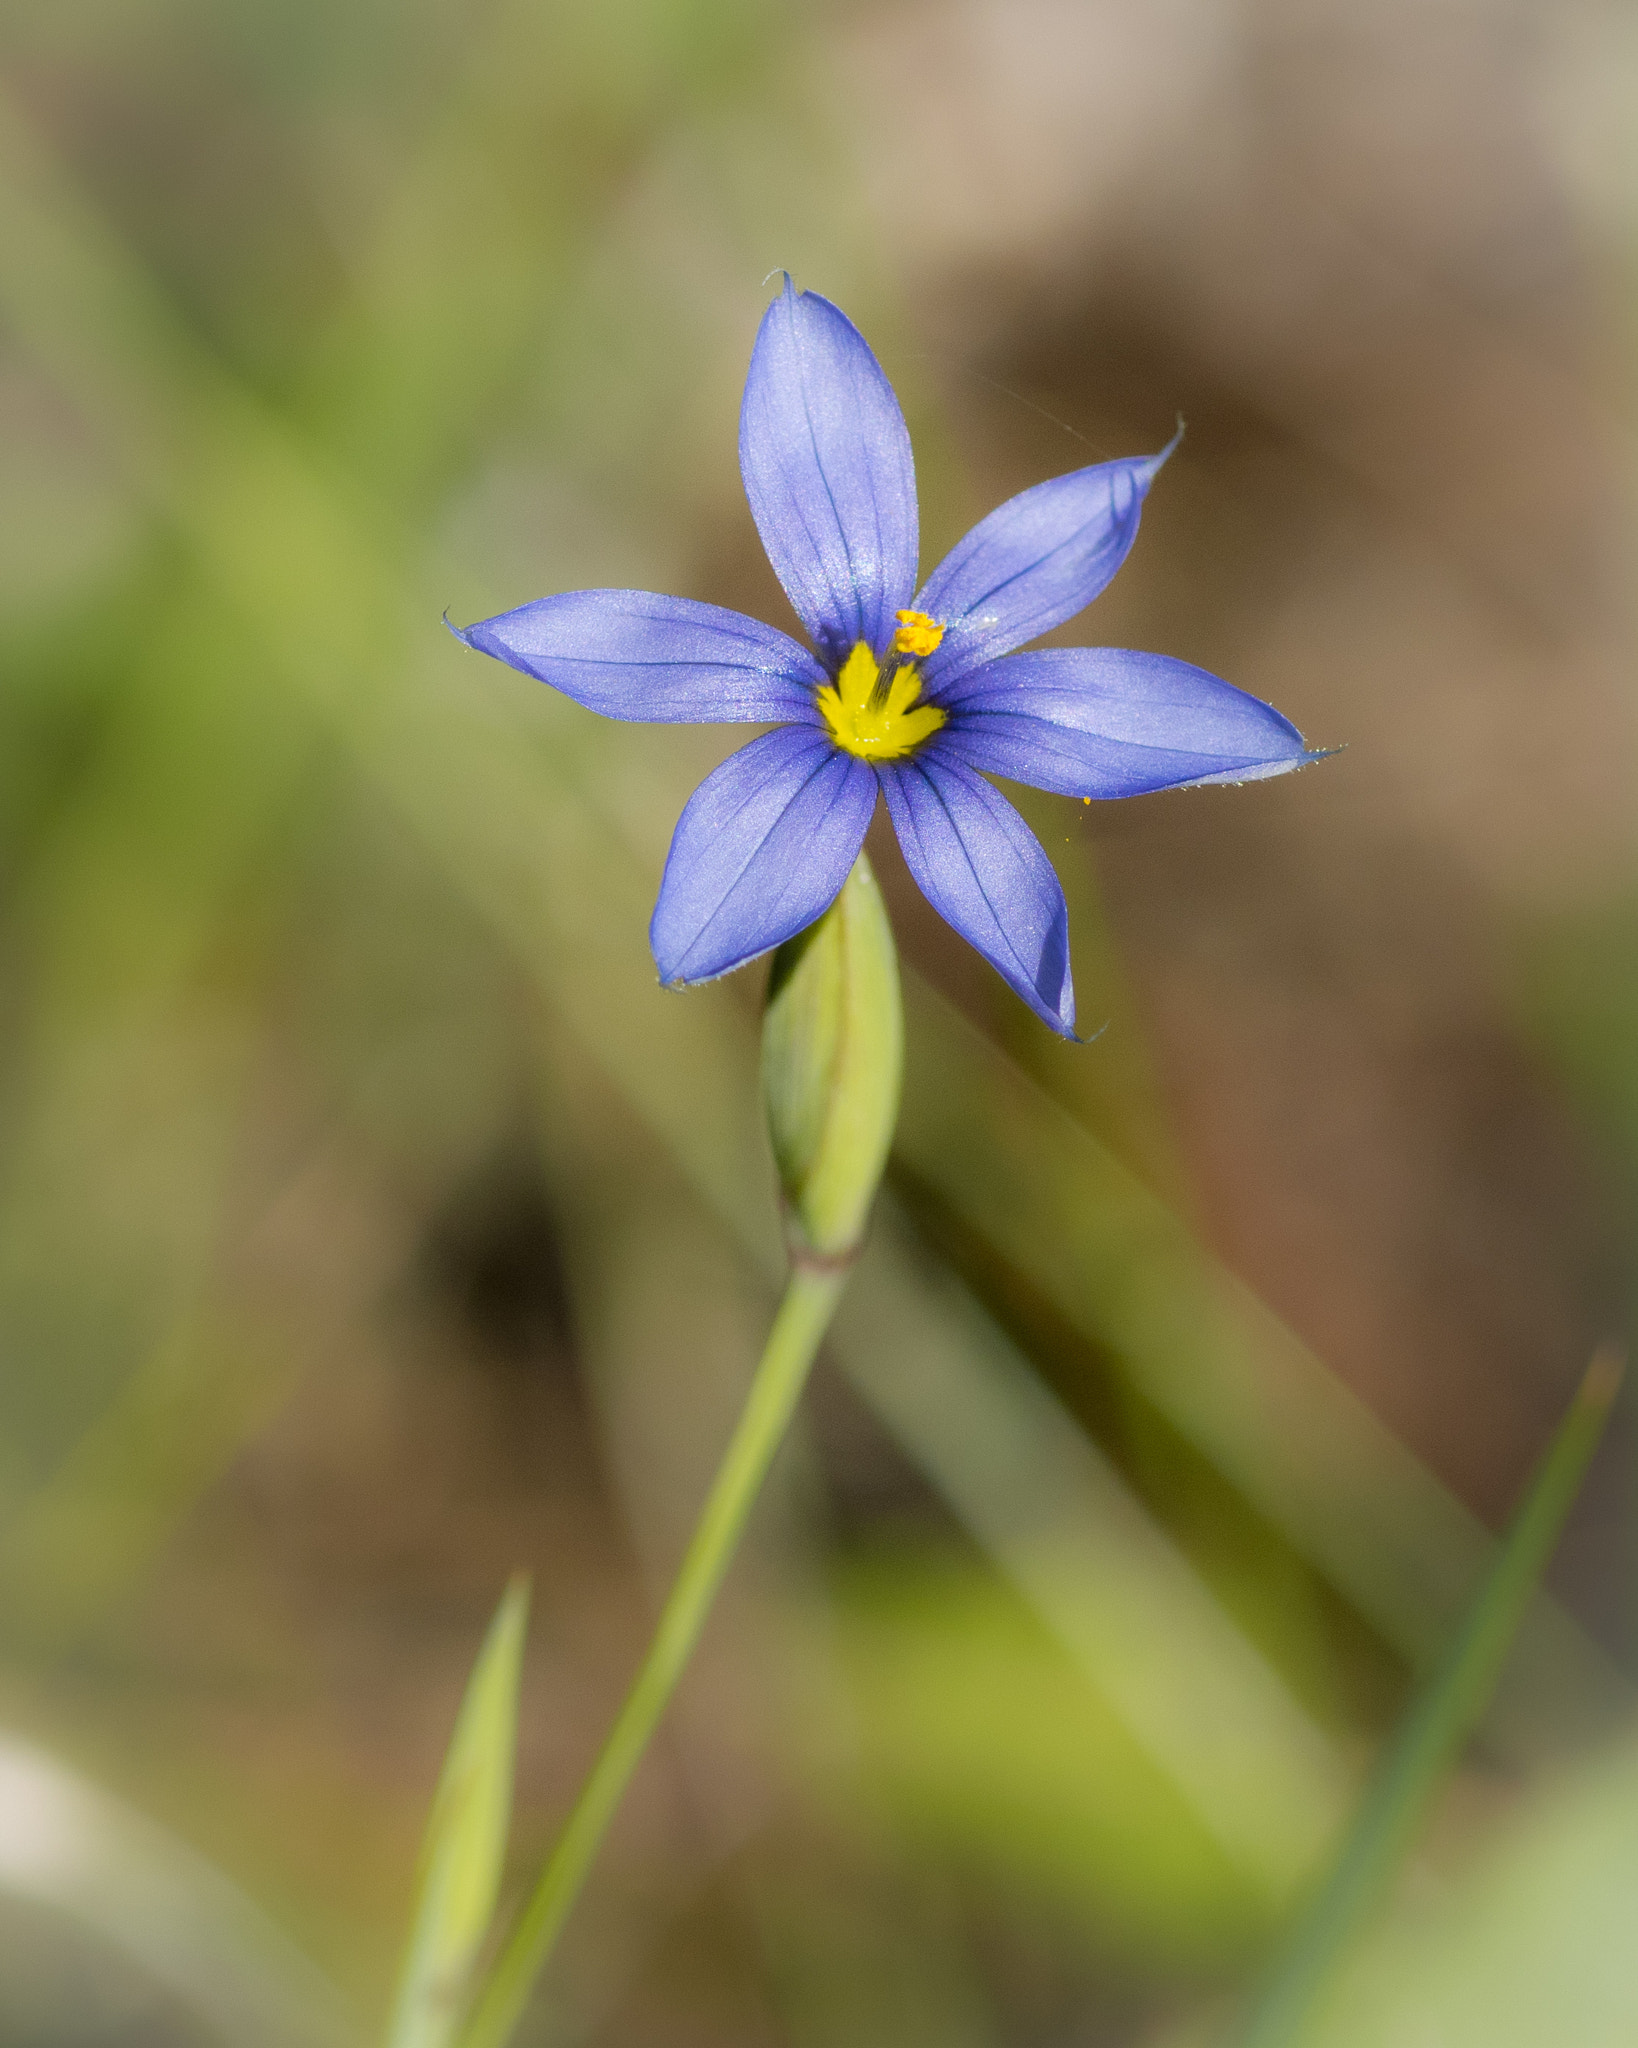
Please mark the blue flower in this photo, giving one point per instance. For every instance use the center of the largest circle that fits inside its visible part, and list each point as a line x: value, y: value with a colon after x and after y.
x: 915, y: 696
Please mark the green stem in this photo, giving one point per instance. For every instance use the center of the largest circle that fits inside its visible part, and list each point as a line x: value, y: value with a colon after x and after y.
x: 804, y: 1313
x: 1431, y: 1736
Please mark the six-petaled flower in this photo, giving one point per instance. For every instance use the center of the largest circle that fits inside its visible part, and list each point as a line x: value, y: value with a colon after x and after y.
x: 917, y: 696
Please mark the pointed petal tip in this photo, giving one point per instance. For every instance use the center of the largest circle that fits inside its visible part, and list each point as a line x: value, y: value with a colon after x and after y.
x: 1157, y: 462
x: 1060, y: 1021
x: 1305, y: 759
x: 791, y: 294
x: 1264, y: 771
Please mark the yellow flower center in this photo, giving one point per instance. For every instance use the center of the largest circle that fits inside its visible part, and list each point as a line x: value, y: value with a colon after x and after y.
x: 874, y: 714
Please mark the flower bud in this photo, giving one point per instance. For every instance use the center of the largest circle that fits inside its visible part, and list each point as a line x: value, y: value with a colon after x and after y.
x: 832, y: 1054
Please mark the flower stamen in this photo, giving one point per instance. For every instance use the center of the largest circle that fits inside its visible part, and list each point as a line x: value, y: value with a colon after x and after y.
x: 875, y: 712
x: 918, y: 634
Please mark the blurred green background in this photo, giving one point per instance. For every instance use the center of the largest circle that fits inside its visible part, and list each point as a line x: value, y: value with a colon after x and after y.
x: 371, y: 1224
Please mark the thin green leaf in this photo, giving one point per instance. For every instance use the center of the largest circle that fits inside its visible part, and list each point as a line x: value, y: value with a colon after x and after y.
x: 1431, y: 1736
x: 465, y: 1843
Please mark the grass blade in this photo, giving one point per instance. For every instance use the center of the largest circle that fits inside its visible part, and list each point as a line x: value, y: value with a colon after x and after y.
x: 465, y: 1843
x: 1439, y: 1722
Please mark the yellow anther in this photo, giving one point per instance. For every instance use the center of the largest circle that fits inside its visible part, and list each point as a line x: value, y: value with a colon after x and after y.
x: 875, y: 716
x: 917, y: 634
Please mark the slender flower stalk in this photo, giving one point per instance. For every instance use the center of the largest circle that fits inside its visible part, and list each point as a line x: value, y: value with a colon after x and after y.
x: 830, y: 1069
x: 810, y: 1299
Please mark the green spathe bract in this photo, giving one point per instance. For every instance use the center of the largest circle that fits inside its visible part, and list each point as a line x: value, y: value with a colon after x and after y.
x: 832, y: 1058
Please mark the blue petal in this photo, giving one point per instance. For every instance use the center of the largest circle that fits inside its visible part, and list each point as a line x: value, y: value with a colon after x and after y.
x: 761, y: 849
x: 1101, y: 722
x: 825, y: 456
x: 630, y: 654
x: 1034, y: 562
x: 982, y: 868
